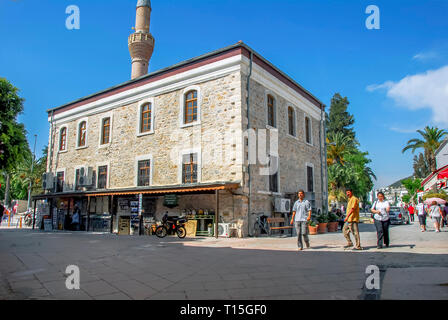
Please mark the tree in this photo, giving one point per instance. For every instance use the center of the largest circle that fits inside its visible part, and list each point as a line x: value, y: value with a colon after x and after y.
x: 13, y: 144
x: 421, y: 166
x: 432, y: 138
x: 339, y: 120
x: 347, y: 165
x: 412, y: 186
x: 338, y: 147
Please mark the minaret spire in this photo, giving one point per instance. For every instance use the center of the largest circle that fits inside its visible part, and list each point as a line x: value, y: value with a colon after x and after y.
x: 141, y: 43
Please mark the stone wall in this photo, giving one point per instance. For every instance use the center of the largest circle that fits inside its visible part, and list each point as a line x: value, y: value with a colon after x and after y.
x: 217, y: 136
x: 294, y: 153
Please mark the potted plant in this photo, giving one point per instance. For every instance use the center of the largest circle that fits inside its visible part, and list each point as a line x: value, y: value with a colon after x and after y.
x: 333, y: 224
x: 312, y: 227
x: 210, y: 230
x: 323, y: 222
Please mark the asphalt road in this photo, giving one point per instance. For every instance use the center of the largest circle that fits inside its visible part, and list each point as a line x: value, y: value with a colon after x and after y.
x: 33, y: 266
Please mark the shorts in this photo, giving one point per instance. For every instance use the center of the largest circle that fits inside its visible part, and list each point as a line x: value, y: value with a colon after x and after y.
x: 436, y: 219
x: 422, y: 220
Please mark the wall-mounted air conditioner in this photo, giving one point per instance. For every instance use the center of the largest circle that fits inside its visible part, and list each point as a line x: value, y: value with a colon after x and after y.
x: 282, y: 205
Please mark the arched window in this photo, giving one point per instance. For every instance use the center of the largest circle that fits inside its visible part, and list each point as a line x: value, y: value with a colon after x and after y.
x: 145, y: 122
x: 191, y: 107
x: 291, y: 122
x: 63, y: 139
x: 82, y: 134
x: 271, y: 111
x: 308, y: 130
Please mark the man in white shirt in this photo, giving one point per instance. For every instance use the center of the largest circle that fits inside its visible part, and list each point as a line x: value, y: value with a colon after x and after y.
x: 301, y: 214
x: 421, y: 210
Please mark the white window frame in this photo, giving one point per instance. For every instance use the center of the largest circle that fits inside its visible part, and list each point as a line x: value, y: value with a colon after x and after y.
x: 182, y: 107
x: 289, y: 105
x: 100, y: 135
x: 311, y: 129
x: 180, y: 167
x: 151, y: 169
x: 66, y: 138
x: 87, y: 133
x: 307, y: 164
x: 267, y: 93
x: 139, y: 117
x: 102, y: 164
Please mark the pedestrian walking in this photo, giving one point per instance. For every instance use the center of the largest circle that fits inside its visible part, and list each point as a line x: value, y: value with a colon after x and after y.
x: 352, y: 221
x: 340, y: 219
x: 411, y: 210
x: 301, y: 214
x: 381, y: 217
x: 436, y: 215
x: 444, y: 215
x: 421, y: 211
x: 2, y: 209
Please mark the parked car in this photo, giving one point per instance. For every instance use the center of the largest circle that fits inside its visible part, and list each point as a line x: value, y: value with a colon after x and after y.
x: 399, y: 215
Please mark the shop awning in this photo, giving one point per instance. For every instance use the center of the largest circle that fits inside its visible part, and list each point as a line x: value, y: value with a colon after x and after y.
x: 190, y: 189
x: 443, y: 174
x: 179, y: 189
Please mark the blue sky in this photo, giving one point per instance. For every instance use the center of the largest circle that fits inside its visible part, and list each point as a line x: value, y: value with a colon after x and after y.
x: 323, y: 45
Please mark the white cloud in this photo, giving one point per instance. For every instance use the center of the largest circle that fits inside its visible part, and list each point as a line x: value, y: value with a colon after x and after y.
x: 423, y: 56
x: 428, y: 90
x: 404, y: 130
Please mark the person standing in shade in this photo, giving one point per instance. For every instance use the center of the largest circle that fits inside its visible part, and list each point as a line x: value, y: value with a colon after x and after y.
x: 436, y: 215
x: 75, y: 218
x: 381, y: 210
x: 352, y: 221
x: 411, y: 212
x: 421, y: 211
x: 301, y: 214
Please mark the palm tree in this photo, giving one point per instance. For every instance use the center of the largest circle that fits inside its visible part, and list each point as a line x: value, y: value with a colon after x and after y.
x: 432, y: 138
x: 338, y: 146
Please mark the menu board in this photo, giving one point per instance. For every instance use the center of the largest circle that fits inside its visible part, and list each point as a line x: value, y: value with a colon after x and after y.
x: 48, y: 225
x: 123, y: 226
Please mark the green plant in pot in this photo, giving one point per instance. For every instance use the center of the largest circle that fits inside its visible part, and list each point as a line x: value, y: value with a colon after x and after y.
x: 323, y: 223
x: 333, y: 223
x: 312, y: 227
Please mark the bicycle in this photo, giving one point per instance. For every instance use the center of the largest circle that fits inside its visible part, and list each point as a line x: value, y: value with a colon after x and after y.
x: 261, y: 225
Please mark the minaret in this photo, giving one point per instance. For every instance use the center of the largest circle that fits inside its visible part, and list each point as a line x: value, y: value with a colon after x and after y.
x: 141, y: 43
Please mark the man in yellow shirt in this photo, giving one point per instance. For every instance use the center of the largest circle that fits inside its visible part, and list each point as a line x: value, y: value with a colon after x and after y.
x: 352, y: 221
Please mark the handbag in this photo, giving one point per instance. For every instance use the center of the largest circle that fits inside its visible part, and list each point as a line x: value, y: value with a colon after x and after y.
x: 372, y: 215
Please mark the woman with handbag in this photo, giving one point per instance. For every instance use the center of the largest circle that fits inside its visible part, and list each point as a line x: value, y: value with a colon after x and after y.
x: 436, y: 215
x: 381, y: 217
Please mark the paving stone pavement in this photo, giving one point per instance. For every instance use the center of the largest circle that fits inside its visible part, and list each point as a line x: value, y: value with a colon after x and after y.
x: 33, y: 265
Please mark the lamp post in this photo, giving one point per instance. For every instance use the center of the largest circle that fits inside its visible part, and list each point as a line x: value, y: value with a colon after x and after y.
x: 31, y: 177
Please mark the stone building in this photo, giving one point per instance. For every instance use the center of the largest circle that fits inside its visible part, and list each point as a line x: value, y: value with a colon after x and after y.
x: 219, y: 136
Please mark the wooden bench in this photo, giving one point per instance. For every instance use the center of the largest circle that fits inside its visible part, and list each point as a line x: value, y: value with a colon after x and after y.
x: 273, y: 221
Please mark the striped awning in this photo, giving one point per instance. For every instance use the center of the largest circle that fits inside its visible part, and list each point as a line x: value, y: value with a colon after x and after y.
x: 198, y: 189
x: 178, y: 189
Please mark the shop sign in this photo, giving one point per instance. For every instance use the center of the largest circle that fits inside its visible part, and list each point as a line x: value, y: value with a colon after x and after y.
x: 171, y: 200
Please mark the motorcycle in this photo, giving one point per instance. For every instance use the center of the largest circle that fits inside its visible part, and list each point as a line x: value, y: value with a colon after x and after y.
x: 172, y: 225
x: 28, y: 219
